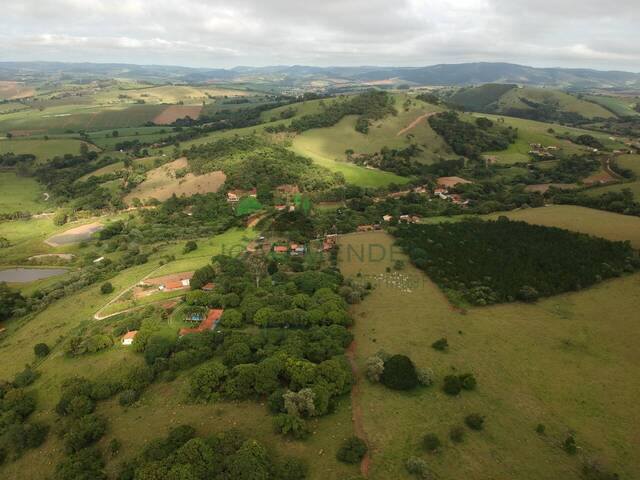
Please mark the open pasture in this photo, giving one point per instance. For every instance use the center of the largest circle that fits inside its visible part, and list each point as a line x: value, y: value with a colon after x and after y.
x: 556, y: 363
x: 531, y: 131
x: 62, y: 119
x: 20, y: 194
x: 612, y: 226
x: 621, y: 106
x: 176, y: 112
x: 162, y: 182
x: 10, y: 90
x: 167, y: 94
x: 42, y: 149
x: 565, y: 102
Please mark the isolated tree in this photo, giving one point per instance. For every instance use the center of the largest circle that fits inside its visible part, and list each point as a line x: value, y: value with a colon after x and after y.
x: 106, y: 288
x: 399, y: 373
x: 41, y: 350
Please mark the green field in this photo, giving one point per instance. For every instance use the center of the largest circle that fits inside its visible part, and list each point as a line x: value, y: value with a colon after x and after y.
x: 60, y: 119
x: 530, y: 131
x: 21, y: 194
x: 555, y: 362
x: 622, y: 106
x: 618, y: 187
x: 612, y: 226
x: 42, y: 149
x: 333, y: 141
x: 631, y: 162
x: 565, y: 101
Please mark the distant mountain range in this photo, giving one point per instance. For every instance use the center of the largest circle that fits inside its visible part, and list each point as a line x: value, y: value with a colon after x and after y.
x: 299, y: 75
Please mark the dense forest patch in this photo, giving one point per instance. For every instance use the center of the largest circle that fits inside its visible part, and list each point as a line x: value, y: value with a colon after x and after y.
x: 471, y: 139
x: 370, y: 105
x: 252, y: 162
x: 501, y: 261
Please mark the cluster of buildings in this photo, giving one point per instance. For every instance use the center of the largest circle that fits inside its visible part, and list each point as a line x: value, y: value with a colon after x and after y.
x: 542, y: 152
x: 293, y: 249
x: 234, y: 196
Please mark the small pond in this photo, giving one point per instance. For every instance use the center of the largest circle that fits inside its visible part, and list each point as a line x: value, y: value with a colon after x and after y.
x: 24, y: 275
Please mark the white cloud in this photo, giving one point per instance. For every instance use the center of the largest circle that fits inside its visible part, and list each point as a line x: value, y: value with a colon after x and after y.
x: 586, y: 33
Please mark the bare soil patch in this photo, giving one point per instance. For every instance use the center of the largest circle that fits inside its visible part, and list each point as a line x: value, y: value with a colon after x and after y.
x: 175, y: 112
x: 74, y: 235
x: 162, y: 182
x: 414, y: 123
x: 12, y: 90
x: 600, y: 177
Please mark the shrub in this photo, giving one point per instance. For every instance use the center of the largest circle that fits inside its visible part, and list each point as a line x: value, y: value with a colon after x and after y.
x: 375, y: 368
x: 292, y: 469
x: 106, y: 288
x: 440, y: 345
x: 291, y: 425
x: 431, y: 442
x: 425, y: 377
x: 41, y: 350
x: 83, y: 432
x: 190, y: 246
x: 474, y: 421
x: 399, y: 373
x: 352, y: 450
x: 128, y: 397
x: 540, y: 428
x: 456, y: 434
x: 569, y: 445
x: 468, y: 381
x: 452, y: 385
x: 114, y: 447
x: 418, y: 467
x: 25, y: 378
x: 98, y: 342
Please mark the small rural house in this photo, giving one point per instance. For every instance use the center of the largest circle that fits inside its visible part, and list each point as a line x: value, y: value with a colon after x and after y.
x: 128, y: 337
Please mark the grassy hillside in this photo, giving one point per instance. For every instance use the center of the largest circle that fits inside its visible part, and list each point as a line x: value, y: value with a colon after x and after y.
x: 531, y: 131
x: 164, y: 404
x: 482, y: 98
x: 22, y: 194
x: 580, y: 219
x: 565, y: 101
x: 553, y: 363
x: 621, y: 106
x: 501, y: 98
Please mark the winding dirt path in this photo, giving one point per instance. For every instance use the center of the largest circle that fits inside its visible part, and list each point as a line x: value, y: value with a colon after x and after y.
x: 356, y: 410
x: 414, y: 123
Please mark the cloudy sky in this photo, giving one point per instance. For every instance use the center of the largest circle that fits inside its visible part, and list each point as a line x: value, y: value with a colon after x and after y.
x: 224, y: 33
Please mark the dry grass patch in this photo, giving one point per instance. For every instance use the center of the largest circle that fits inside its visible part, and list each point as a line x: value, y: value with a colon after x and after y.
x: 176, y: 112
x: 162, y: 182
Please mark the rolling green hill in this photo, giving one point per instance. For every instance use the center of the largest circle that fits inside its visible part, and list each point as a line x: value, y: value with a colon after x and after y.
x: 524, y: 101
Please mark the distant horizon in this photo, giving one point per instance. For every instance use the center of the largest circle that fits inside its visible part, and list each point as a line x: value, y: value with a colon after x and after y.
x: 219, y: 33
x: 310, y: 65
